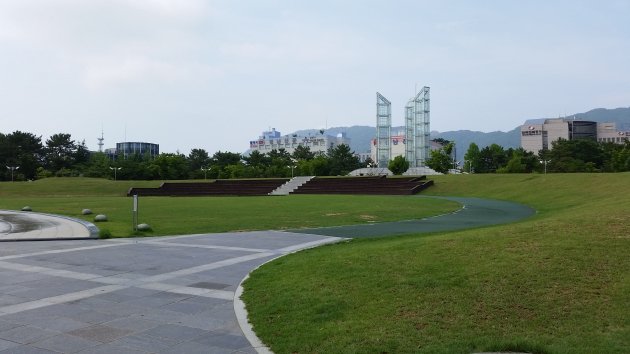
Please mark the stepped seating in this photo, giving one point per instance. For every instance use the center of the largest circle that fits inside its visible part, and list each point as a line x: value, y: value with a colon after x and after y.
x: 365, y: 185
x: 220, y: 187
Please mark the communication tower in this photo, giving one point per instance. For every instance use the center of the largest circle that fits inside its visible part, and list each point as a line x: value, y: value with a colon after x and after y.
x: 100, y: 142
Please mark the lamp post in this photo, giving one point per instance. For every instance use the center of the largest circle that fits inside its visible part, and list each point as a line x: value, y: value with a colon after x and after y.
x: 13, y: 168
x: 543, y: 161
x: 115, y: 169
x: 205, y: 172
x: 292, y: 166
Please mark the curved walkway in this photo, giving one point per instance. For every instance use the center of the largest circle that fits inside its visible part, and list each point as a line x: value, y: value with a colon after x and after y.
x: 163, y: 295
x: 27, y: 226
x: 475, y: 212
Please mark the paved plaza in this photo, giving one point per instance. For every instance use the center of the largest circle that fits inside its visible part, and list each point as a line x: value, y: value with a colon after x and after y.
x: 140, y: 295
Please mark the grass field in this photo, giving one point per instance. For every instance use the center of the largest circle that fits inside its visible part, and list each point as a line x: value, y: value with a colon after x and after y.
x: 190, y: 215
x: 555, y: 283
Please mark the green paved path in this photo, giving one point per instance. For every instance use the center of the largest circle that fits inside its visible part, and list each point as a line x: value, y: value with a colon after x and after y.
x: 475, y: 212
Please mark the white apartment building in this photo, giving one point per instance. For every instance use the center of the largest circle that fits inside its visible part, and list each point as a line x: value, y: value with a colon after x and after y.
x: 318, y: 143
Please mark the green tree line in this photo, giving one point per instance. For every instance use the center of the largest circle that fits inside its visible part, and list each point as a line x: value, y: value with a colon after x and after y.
x: 27, y: 157
x: 579, y: 155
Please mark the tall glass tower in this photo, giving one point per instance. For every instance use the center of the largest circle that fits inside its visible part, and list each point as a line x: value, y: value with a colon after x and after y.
x: 417, y: 128
x: 383, y: 130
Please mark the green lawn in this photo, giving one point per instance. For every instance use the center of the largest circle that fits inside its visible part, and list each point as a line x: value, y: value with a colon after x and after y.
x: 555, y: 283
x: 190, y: 215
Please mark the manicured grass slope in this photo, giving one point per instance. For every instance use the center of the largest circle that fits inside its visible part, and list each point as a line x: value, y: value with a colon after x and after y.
x: 556, y: 283
x: 190, y: 215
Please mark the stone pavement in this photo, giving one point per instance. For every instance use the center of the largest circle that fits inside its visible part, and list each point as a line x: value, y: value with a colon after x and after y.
x: 21, y: 226
x: 142, y: 295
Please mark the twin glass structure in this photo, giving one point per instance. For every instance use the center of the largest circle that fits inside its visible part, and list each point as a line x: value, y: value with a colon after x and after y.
x: 417, y: 129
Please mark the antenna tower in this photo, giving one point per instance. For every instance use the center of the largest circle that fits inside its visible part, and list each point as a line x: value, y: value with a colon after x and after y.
x: 100, y: 142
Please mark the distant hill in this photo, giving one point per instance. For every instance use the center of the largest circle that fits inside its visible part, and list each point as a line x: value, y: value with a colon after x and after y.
x: 361, y: 135
x: 620, y: 116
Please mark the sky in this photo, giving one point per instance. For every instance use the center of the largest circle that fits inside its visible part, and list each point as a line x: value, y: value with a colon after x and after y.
x: 214, y: 74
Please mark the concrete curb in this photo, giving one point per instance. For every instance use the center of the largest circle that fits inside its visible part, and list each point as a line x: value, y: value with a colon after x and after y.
x: 239, y: 306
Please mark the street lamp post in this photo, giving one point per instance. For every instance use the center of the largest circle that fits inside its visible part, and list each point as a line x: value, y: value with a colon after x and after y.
x: 293, y: 161
x: 205, y: 172
x: 116, y: 169
x: 13, y: 168
x: 544, y: 162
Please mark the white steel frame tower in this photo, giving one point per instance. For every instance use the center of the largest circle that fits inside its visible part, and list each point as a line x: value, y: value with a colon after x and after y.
x: 417, y: 128
x: 383, y: 130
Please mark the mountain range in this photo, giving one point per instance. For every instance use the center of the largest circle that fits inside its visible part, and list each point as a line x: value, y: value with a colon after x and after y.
x: 361, y: 135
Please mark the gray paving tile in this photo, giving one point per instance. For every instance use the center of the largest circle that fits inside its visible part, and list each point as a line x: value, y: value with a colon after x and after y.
x: 153, y: 301
x: 122, y: 309
x: 223, y: 340
x: 11, y: 288
x: 176, y: 332
x: 6, y: 344
x: 7, y: 325
x: 110, y: 348
x: 160, y: 315
x: 26, y: 334
x: 65, y: 310
x: 27, y: 349
x: 195, y: 348
x: 7, y: 299
x: 114, y: 296
x: 135, y: 292
x: 207, y: 323
x: 60, y: 324
x: 93, y: 317
x: 146, y: 342
x: 65, y: 343
x: 134, y: 324
x: 207, y: 301
x: 100, y: 333
x: 186, y: 307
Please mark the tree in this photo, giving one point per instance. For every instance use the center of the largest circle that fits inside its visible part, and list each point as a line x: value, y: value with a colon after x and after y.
x: 198, y: 159
x: 441, y: 160
x: 171, y: 166
x: 303, y: 153
x: 257, y: 159
x: 398, y: 165
x: 24, y: 150
x: 319, y: 166
x: 492, y: 158
x: 579, y: 155
x: 81, y: 155
x: 473, y: 158
x: 219, y: 162
x: 60, y: 150
x: 342, y: 160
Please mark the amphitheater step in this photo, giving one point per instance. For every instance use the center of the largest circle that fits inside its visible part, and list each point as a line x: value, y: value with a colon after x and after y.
x: 293, y: 184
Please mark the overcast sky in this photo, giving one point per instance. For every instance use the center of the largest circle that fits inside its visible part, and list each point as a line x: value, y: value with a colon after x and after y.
x: 214, y: 74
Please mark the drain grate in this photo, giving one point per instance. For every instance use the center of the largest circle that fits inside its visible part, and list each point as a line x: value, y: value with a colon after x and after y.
x: 209, y: 285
